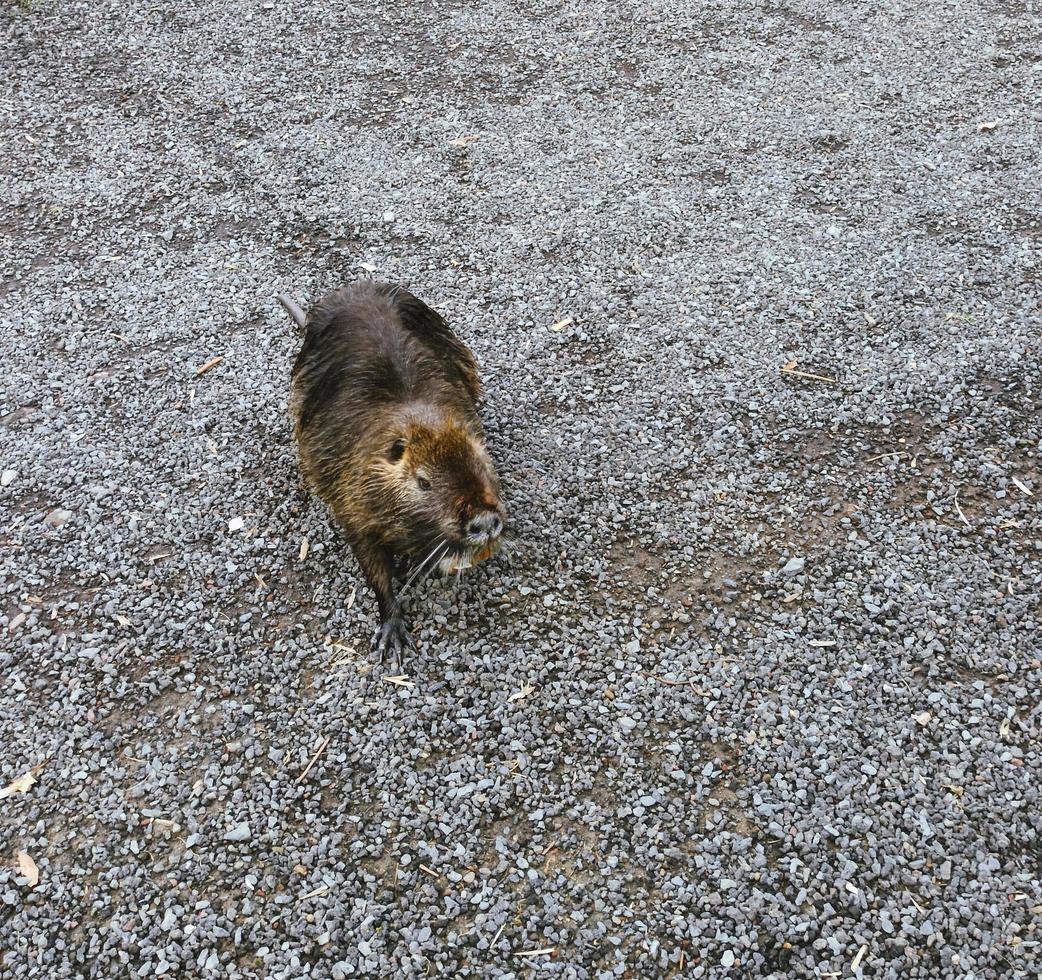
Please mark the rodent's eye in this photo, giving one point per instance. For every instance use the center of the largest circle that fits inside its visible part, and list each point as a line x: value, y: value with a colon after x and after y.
x: 397, y: 451
x: 424, y: 483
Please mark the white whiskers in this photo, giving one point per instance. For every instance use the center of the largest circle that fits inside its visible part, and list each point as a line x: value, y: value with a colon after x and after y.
x: 435, y: 554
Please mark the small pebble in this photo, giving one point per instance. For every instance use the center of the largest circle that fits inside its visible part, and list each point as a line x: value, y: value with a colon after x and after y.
x: 240, y: 832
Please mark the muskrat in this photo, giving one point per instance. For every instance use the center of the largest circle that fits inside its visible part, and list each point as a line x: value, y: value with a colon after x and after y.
x: 384, y: 398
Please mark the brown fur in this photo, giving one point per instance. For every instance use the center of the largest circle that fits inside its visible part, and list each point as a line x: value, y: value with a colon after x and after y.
x: 384, y: 398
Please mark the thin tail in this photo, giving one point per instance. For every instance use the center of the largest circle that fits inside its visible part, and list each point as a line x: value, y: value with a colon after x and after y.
x: 295, y: 312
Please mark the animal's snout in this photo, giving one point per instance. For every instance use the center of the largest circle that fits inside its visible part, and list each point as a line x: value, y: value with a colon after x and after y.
x: 486, y: 526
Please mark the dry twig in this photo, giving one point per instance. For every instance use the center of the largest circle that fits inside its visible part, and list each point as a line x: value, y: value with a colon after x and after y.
x: 212, y: 363
x: 791, y: 368
x: 314, y: 758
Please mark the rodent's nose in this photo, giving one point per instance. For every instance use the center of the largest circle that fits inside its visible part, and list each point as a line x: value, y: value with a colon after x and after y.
x: 486, y: 526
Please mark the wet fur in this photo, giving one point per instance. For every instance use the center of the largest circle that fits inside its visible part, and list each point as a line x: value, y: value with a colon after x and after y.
x: 378, y: 366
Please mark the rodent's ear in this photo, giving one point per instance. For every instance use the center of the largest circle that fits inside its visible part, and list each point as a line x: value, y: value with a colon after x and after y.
x: 397, y: 450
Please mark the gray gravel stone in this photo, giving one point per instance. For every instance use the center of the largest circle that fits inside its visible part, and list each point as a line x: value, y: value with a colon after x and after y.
x: 240, y: 832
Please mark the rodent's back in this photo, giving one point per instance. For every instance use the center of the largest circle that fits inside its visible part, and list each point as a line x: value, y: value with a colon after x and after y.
x: 369, y: 350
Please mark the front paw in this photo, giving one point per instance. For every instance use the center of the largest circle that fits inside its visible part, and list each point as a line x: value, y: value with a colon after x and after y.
x: 394, y: 638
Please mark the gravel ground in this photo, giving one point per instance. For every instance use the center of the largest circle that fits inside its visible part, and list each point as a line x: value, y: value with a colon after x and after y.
x: 756, y: 693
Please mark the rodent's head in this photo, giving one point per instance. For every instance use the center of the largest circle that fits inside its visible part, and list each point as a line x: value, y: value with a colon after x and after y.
x: 446, y: 493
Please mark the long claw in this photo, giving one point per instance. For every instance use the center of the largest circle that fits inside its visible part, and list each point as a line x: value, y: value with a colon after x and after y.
x: 393, y: 637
